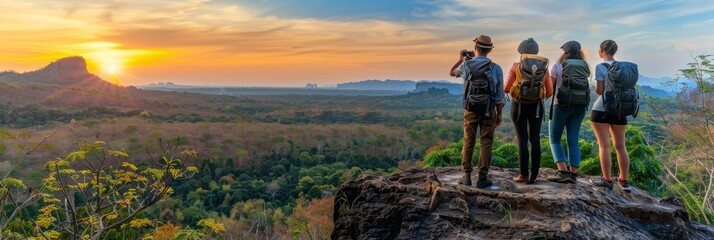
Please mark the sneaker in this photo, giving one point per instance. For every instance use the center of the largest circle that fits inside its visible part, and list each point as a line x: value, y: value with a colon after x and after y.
x: 483, y: 182
x: 575, y: 176
x: 466, y: 179
x: 600, y: 182
x: 561, y: 177
x: 625, y: 185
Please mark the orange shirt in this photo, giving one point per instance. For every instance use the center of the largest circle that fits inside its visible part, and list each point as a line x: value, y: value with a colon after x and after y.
x: 512, y: 78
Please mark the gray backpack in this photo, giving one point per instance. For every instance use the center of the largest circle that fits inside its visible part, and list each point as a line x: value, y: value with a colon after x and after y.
x: 477, y: 89
x: 621, y: 97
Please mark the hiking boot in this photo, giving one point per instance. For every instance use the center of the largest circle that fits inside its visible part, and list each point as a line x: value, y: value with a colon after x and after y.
x: 575, y: 176
x: 483, y: 181
x: 625, y: 185
x: 466, y: 179
x: 520, y: 179
x: 561, y: 177
x: 600, y: 182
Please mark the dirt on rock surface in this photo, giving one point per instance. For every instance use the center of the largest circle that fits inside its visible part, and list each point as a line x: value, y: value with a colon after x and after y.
x: 430, y: 204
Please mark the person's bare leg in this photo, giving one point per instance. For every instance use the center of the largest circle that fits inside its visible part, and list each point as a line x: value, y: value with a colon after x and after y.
x: 623, y: 158
x: 603, y: 141
x: 562, y: 166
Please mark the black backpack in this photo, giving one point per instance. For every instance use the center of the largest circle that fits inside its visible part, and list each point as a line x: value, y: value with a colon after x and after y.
x: 575, y: 89
x: 477, y: 88
x: 621, y: 97
x: 532, y: 70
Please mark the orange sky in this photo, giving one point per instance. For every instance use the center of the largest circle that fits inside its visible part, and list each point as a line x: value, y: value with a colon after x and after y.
x: 230, y: 43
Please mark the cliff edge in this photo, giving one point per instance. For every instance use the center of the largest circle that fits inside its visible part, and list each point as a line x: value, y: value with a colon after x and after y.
x: 430, y: 204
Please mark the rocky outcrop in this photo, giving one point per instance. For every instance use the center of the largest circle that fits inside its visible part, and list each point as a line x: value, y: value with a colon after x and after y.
x: 430, y: 204
x: 70, y: 71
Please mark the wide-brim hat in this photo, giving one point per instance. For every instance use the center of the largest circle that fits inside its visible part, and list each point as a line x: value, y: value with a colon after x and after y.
x: 483, y: 41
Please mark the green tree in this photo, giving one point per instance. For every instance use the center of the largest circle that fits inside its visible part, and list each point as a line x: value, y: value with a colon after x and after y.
x: 15, y: 194
x: 451, y: 156
x: 95, y: 190
x: 689, y: 146
x: 506, y: 156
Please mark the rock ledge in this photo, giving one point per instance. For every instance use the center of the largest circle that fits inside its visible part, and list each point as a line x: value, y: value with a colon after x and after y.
x: 430, y: 204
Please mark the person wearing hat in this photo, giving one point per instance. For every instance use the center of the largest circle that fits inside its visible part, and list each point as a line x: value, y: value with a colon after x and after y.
x: 486, y: 116
x: 572, y: 97
x: 527, y: 111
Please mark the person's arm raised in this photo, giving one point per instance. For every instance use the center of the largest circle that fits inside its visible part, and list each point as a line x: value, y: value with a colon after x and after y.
x: 457, y: 64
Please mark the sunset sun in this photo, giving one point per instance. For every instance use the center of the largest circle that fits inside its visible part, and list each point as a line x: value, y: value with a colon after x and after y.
x: 112, y: 68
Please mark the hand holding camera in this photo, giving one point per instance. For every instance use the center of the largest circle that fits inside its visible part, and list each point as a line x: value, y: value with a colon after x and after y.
x: 466, y: 54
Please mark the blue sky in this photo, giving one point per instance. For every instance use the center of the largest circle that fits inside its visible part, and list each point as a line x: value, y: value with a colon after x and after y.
x: 292, y: 42
x: 330, y: 9
x: 657, y: 34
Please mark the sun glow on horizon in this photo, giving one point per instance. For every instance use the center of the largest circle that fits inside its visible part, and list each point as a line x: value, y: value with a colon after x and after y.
x: 112, y: 69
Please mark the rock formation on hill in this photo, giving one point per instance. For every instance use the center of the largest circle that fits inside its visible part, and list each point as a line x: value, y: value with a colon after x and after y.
x: 70, y: 71
x: 430, y: 204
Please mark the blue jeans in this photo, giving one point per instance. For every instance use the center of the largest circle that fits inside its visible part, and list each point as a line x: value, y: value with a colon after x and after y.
x: 569, y: 120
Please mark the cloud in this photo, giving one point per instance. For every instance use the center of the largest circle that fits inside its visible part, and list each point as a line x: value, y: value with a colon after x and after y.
x: 596, y: 27
x: 182, y: 38
x: 559, y: 36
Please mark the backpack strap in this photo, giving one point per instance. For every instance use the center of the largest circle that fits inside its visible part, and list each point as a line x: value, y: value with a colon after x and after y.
x: 467, y: 83
x: 552, y: 101
x: 467, y: 88
x: 488, y: 81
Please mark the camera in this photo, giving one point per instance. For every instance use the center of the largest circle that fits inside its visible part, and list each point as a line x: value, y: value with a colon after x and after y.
x: 467, y: 54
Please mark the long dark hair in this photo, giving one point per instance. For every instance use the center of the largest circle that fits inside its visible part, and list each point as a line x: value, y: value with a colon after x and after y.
x: 581, y: 56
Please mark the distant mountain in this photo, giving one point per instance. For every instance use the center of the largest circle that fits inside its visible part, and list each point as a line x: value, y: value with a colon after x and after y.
x: 663, y: 87
x: 654, y: 92
x: 71, y: 71
x: 453, y: 88
x: 65, y: 87
x: 457, y: 89
x: 396, y: 85
x: 389, y: 84
x: 167, y: 86
x: 664, y: 83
